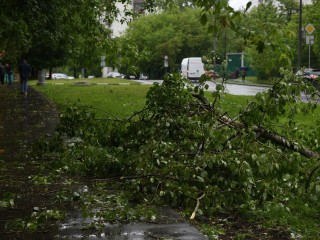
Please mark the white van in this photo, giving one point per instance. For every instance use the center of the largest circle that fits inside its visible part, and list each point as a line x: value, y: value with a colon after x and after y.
x: 192, y: 68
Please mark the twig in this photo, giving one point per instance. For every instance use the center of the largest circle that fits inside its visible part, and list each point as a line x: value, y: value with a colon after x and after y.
x: 49, y: 192
x: 197, y: 207
x: 152, y: 236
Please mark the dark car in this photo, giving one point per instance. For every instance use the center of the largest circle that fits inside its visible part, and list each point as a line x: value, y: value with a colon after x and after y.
x: 311, y: 75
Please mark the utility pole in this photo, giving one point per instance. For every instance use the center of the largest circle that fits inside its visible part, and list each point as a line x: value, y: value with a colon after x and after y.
x: 300, y: 35
x: 214, y: 48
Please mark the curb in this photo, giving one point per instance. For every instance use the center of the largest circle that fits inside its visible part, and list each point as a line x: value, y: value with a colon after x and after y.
x: 88, y: 84
x: 139, y: 83
x: 232, y: 81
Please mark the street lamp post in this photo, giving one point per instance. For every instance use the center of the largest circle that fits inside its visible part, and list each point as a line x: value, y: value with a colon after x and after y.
x: 166, y: 64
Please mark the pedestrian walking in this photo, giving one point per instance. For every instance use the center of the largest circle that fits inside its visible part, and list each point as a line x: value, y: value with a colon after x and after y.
x: 8, y: 77
x: 24, y: 70
x: 1, y: 74
x: 243, y: 74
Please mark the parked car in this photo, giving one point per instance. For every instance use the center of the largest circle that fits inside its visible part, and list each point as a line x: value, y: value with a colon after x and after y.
x: 114, y: 75
x: 123, y: 76
x: 143, y: 77
x: 192, y: 68
x: 311, y: 75
x: 130, y: 77
x: 61, y: 76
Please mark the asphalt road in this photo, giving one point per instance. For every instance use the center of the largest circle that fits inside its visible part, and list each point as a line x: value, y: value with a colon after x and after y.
x: 235, y: 89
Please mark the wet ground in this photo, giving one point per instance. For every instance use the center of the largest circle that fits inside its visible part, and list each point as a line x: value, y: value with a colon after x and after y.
x: 169, y: 226
x: 23, y: 120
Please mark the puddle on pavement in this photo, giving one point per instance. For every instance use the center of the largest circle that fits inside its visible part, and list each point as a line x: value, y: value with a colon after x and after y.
x: 169, y: 226
x: 131, y: 231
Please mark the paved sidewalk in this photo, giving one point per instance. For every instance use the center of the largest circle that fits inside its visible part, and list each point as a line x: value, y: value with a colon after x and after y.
x: 23, y: 119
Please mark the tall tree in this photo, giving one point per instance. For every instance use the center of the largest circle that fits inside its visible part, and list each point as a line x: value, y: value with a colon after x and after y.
x: 268, y: 48
x: 177, y: 34
x: 47, y: 31
x: 288, y: 8
x: 311, y: 15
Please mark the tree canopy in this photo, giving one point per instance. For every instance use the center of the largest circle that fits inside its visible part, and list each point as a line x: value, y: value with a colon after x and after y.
x: 175, y: 34
x: 50, y: 33
x: 75, y: 33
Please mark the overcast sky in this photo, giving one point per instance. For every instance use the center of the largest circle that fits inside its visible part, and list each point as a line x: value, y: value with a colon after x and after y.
x: 238, y: 4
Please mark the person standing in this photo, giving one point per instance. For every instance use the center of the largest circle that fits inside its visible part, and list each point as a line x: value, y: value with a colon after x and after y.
x: 8, y: 74
x: 24, y: 70
x: 1, y: 74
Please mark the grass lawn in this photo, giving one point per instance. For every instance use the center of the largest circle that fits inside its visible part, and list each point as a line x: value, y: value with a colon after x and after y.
x: 88, y: 81
x: 121, y: 97
x: 119, y: 100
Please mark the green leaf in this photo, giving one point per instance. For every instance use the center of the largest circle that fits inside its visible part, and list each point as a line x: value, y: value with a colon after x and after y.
x: 248, y: 5
x: 200, y: 179
x: 219, y: 87
x: 203, y: 19
x: 254, y: 157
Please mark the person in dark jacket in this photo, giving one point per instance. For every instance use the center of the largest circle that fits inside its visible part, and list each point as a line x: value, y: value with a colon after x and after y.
x: 1, y: 74
x: 243, y: 74
x: 24, y: 70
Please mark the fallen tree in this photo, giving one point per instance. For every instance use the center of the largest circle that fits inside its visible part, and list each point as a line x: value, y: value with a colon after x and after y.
x: 261, y: 132
x: 186, y: 150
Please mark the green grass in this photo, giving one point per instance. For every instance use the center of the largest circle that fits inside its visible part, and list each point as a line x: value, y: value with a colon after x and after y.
x: 124, y: 99
x: 233, y: 103
x: 118, y: 100
x: 89, y: 81
x: 298, y: 217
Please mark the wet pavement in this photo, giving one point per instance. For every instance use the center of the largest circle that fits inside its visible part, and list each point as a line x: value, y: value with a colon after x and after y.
x: 173, y: 227
x: 23, y: 120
